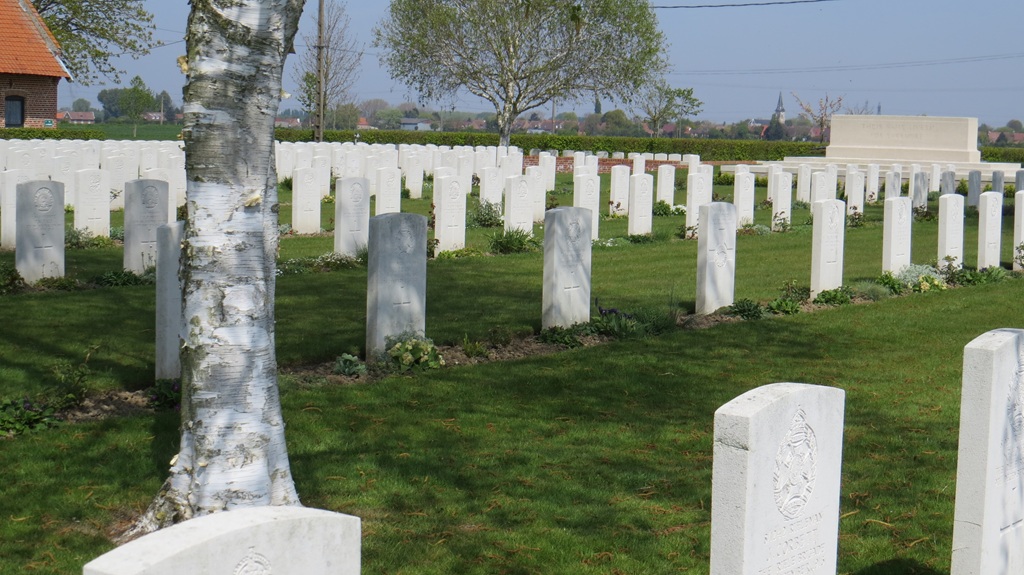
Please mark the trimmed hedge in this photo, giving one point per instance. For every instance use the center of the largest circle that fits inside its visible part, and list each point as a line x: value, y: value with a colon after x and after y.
x: 709, y: 150
x: 49, y: 134
x: 993, y: 154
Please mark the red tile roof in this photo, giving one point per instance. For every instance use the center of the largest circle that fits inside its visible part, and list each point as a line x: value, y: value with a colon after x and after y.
x: 26, y: 45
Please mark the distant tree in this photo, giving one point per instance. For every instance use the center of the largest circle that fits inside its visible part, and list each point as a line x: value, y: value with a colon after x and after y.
x: 1002, y: 139
x: 617, y: 123
x: 342, y: 58
x: 569, y: 116
x: 740, y: 130
x: 388, y: 119
x: 110, y: 99
x: 535, y: 117
x: 135, y: 100
x: 861, y: 110
x: 597, y: 104
x: 166, y: 104
x: 307, y: 95
x: 776, y: 131
x: 345, y: 117
x: 821, y: 115
x: 409, y: 110
x: 591, y: 124
x: 660, y: 103
x: 81, y: 105
x: 1015, y: 125
x: 369, y: 108
x: 521, y: 54
x: 92, y: 32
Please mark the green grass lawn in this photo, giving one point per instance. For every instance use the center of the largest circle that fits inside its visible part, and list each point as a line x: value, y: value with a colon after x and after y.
x: 594, y: 460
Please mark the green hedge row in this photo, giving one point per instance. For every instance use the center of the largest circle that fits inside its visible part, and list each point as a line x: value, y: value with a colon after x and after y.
x: 993, y: 154
x: 49, y: 134
x: 709, y: 150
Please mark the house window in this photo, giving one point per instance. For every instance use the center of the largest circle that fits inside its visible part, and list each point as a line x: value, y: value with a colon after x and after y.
x: 14, y: 111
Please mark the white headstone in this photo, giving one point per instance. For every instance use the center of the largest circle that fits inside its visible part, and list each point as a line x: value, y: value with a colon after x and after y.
x: 872, y: 183
x: 396, y: 296
x: 1018, y: 226
x: 919, y: 190
x: 251, y: 541
x: 170, y: 323
x: 696, y: 196
x: 413, y: 171
x: 667, y: 184
x: 351, y: 215
x: 716, y: 257
x: 820, y: 189
x: 775, y: 481
x: 782, y: 202
x: 639, y: 165
x: 641, y: 204
x: 145, y: 209
x: 535, y: 176
x: 803, y: 183
x: 305, y: 201
x: 39, y: 250
x: 892, y: 185
x: 988, y: 517
x: 990, y: 233
x: 9, y: 180
x: 92, y: 207
x: 518, y: 204
x: 389, y: 191
x: 618, y: 196
x: 567, y: 265
x: 548, y: 165
x: 896, y: 234
x: 743, y: 198
x: 450, y: 212
x: 587, y: 194
x: 827, y: 245
x: 951, y: 230
x: 855, y: 192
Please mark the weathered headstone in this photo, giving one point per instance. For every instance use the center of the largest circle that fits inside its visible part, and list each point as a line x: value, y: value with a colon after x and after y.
x: 145, y: 209
x: 896, y: 234
x: 1018, y: 229
x: 919, y: 190
x: 696, y: 196
x: 743, y: 198
x: 855, y: 192
x: 536, y: 178
x: 973, y: 187
x: 283, y: 540
x: 872, y: 183
x: 666, y: 184
x: 803, y: 183
x: 389, y: 191
x: 988, y: 517
x: 518, y: 204
x: 892, y: 185
x: 567, y: 266
x: 948, y: 184
x: 716, y: 257
x: 934, y: 178
x: 413, y: 171
x: 775, y: 481
x: 641, y: 204
x: 820, y: 188
x: 9, y: 180
x: 170, y: 323
x: 827, y: 245
x: 305, y: 201
x: 951, y: 230
x: 396, y: 296
x: 351, y: 215
x: 450, y: 209
x: 92, y: 204
x: 782, y: 202
x: 548, y: 166
x: 618, y: 196
x: 587, y: 194
x: 998, y: 181
x: 990, y: 232
x: 39, y: 249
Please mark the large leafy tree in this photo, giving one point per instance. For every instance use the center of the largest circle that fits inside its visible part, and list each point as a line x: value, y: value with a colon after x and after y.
x: 342, y: 58
x: 821, y: 115
x: 660, y: 103
x: 135, y: 100
x: 521, y: 54
x: 232, y: 452
x: 92, y: 32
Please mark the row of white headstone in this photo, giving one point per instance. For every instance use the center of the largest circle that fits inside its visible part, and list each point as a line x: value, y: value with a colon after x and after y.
x: 775, y: 487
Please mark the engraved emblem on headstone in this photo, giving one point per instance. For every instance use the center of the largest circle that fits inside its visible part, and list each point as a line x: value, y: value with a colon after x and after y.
x: 406, y: 240
x: 453, y: 191
x: 721, y: 255
x: 253, y: 564
x: 150, y: 197
x: 833, y: 217
x: 590, y: 188
x: 357, y: 193
x: 901, y: 213
x: 795, y: 467
x: 524, y: 189
x: 1013, y: 459
x: 43, y: 200
x: 574, y: 232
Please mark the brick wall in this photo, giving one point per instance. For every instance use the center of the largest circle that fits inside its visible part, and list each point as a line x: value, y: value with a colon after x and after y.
x: 40, y: 93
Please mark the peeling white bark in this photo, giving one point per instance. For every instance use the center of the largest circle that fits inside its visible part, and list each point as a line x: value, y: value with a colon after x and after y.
x: 233, y: 451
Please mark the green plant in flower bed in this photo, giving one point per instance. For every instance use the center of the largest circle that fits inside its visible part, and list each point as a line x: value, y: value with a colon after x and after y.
x: 964, y: 276
x: 487, y: 215
x: 783, y: 306
x: 408, y: 352
x: 19, y: 416
x: 349, y: 365
x: 473, y: 348
x: 11, y: 281
x: 514, y: 241
x: 870, y: 290
x: 459, y: 253
x: 165, y: 395
x: 329, y: 262
x: 83, y: 239
x: 641, y: 238
x: 661, y: 208
x: 892, y: 283
x: 120, y: 278
x: 747, y: 309
x: 921, y: 278
x: 644, y: 322
x: 834, y: 297
x: 62, y: 283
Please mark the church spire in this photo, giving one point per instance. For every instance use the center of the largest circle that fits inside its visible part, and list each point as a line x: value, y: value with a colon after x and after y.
x: 780, y: 110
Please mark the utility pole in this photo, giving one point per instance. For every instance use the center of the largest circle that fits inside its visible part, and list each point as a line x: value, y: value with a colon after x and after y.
x: 321, y: 73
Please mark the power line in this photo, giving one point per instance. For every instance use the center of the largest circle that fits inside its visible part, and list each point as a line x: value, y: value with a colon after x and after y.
x: 743, y: 5
x: 851, y: 67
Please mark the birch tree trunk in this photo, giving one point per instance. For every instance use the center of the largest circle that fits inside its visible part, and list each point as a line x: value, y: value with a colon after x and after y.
x: 233, y: 451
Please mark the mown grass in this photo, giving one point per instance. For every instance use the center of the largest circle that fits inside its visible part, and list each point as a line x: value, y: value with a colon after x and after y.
x: 594, y: 460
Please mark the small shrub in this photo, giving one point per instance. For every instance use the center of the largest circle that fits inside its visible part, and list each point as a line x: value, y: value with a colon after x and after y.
x: 460, y: 253
x: 117, y: 233
x: 834, y: 297
x: 514, y: 241
x: 643, y: 322
x: 641, y: 238
x: 408, y: 352
x: 911, y: 276
x: 661, y: 208
x: 753, y: 230
x: 954, y: 275
x: 69, y: 386
x: 122, y: 278
x: 328, y: 199
x: 747, y: 309
x: 83, y: 239
x: 500, y: 335
x: 165, y: 395
x: 19, y: 416
x: 870, y: 290
x: 11, y: 281
x: 794, y: 292
x: 567, y: 336
x: 473, y: 348
x: 348, y: 365
x: 921, y: 214
x: 685, y: 232
x: 487, y: 215
x: 783, y: 306
x: 551, y: 202
x: 59, y: 284
x: 855, y: 219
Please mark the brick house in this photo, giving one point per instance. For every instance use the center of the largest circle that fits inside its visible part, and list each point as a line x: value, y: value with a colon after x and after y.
x: 30, y: 67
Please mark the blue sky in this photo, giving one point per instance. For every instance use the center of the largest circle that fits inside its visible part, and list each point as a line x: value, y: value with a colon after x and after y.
x: 933, y: 57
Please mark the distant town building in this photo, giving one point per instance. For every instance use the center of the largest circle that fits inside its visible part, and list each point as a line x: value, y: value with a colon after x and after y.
x: 415, y: 125
x: 77, y: 117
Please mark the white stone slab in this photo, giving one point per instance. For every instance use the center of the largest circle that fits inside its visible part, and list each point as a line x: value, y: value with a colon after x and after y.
x: 896, y: 234
x: 535, y: 176
x: 259, y: 540
x: 743, y: 198
x: 871, y: 183
x: 827, y: 245
x: 924, y: 138
x: 92, y: 204
x: 696, y: 196
x: 951, y: 230
x: 145, y: 209
x: 170, y: 323
x: 305, y: 201
x: 639, y: 165
x: 518, y: 204
x: 855, y: 192
x: 641, y: 204
x: 587, y: 194
x: 351, y: 215
x: 396, y: 297
x: 803, y: 183
x: 666, y: 191
x: 450, y: 212
x: 716, y: 257
x: 389, y: 191
x: 990, y: 233
x: 39, y: 249
x: 988, y: 518
x: 567, y: 267
x: 775, y: 481
x: 618, y: 195
x: 782, y: 202
x: 919, y: 190
x: 9, y: 180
